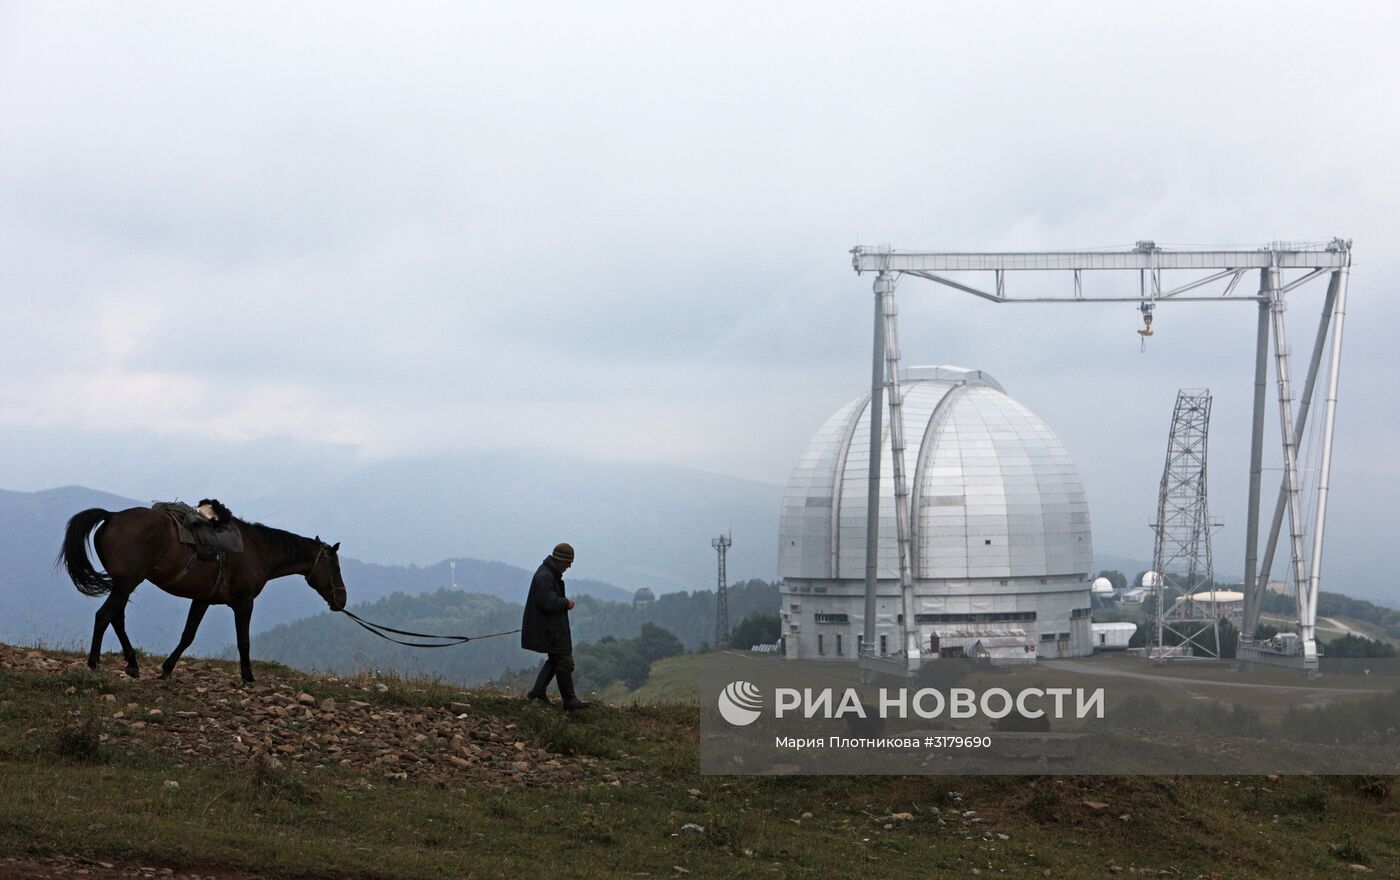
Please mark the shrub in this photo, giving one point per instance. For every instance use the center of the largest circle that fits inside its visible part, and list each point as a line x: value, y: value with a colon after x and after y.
x: 81, y: 678
x: 274, y: 781
x: 1311, y: 801
x: 78, y: 737
x: 1347, y: 850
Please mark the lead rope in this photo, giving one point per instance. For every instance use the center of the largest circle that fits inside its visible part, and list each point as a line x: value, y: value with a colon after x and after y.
x: 444, y: 641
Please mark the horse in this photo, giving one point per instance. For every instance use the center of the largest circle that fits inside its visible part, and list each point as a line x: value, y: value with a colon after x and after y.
x: 143, y: 544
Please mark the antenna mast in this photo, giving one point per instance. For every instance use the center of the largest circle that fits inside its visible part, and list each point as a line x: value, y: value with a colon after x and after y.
x: 722, y: 545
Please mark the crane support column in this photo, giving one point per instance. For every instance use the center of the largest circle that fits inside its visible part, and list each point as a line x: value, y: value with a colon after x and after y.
x: 1304, y: 405
x: 909, y: 634
x: 1253, y: 590
x: 1329, y: 422
x: 1306, y: 625
x: 872, y: 502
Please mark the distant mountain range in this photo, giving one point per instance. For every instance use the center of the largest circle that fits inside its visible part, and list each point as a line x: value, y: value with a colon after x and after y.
x: 634, y: 525
x: 41, y: 604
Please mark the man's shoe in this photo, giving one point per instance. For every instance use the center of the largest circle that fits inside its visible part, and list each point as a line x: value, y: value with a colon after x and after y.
x: 540, y: 691
x: 566, y: 690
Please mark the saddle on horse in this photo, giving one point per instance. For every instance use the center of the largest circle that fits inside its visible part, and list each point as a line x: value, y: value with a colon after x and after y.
x: 208, y: 528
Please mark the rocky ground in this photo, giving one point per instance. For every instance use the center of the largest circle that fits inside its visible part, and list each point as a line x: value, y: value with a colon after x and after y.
x: 350, y: 729
x: 54, y: 867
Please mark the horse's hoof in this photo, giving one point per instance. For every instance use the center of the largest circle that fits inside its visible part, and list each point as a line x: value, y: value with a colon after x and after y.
x: 92, y: 663
x: 165, y: 675
x: 133, y: 672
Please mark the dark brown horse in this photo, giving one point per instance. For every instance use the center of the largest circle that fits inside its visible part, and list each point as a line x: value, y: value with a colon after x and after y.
x: 143, y: 544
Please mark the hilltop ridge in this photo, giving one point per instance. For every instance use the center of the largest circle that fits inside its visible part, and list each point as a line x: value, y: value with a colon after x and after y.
x: 412, y: 779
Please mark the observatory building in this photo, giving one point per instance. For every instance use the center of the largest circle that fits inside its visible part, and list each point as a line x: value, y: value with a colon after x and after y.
x: 999, y: 528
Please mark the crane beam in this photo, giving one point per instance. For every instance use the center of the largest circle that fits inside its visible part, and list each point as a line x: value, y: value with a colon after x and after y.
x: 868, y: 259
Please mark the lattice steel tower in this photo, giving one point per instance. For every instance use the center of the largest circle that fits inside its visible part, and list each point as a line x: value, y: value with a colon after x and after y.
x: 1182, y: 557
x: 722, y: 545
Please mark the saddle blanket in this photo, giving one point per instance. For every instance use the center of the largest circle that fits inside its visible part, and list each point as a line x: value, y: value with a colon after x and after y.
x: 209, y: 536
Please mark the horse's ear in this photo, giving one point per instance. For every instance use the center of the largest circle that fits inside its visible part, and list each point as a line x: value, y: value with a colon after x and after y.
x: 318, y: 539
x: 336, y: 547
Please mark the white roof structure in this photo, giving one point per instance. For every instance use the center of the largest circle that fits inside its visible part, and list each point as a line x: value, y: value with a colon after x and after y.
x: 1218, y: 596
x: 993, y: 493
x: 1102, y: 585
x: 1115, y: 626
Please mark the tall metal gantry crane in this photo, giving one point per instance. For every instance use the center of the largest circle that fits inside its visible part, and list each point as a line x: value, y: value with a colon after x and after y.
x: 722, y: 545
x: 1159, y: 275
x: 1181, y: 555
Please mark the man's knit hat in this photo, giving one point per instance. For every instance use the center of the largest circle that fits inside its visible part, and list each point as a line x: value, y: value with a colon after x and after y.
x: 563, y: 553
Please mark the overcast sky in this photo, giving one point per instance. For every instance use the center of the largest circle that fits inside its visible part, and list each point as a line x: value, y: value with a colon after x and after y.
x: 621, y: 231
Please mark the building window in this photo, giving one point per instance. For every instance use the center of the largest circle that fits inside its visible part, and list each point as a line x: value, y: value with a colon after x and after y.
x: 1080, y: 613
x: 1047, y: 637
x: 838, y: 644
x: 796, y: 608
x: 882, y: 645
x: 984, y: 617
x: 824, y: 617
x: 860, y: 643
x: 819, y: 644
x: 1064, y: 637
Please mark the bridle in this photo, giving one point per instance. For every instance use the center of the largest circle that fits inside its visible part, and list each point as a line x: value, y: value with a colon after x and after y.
x: 321, y: 549
x: 320, y: 554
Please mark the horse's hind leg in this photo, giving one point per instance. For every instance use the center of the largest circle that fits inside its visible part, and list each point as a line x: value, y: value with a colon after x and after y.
x: 197, y: 610
x: 101, y: 620
x: 119, y: 625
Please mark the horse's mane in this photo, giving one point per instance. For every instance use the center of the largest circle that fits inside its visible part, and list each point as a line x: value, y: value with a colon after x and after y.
x: 281, y: 540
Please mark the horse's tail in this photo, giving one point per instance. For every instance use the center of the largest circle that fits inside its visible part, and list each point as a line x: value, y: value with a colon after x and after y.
x: 74, y: 556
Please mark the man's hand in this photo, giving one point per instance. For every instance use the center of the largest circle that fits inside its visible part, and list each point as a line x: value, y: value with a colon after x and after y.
x: 571, y: 604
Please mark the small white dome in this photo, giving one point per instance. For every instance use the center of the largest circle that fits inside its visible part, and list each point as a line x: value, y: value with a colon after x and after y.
x: 1151, y: 579
x: 1102, y: 585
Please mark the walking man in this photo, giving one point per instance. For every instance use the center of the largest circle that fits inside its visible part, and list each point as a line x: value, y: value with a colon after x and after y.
x: 545, y: 628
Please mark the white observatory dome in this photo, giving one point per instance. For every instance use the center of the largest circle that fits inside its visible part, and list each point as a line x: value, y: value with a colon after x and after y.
x: 999, y: 523
x: 1151, y: 579
x: 1102, y: 585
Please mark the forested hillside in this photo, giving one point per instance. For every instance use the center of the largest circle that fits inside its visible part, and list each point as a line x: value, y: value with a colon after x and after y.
x: 332, y: 642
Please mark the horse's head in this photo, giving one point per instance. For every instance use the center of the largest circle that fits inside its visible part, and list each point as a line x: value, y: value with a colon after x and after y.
x: 324, y: 576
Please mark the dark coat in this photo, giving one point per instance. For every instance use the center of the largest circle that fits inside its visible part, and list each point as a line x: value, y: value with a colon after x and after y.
x: 545, y: 625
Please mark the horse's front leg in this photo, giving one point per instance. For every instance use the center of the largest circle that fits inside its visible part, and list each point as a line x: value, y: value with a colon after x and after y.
x: 197, y: 610
x: 242, y: 616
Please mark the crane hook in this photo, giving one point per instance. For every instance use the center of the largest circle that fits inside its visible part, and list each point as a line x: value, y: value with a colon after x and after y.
x: 1146, y: 331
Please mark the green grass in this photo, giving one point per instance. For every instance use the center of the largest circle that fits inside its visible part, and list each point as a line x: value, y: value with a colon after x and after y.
x: 1326, y: 631
x: 115, y: 804
x: 672, y: 680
